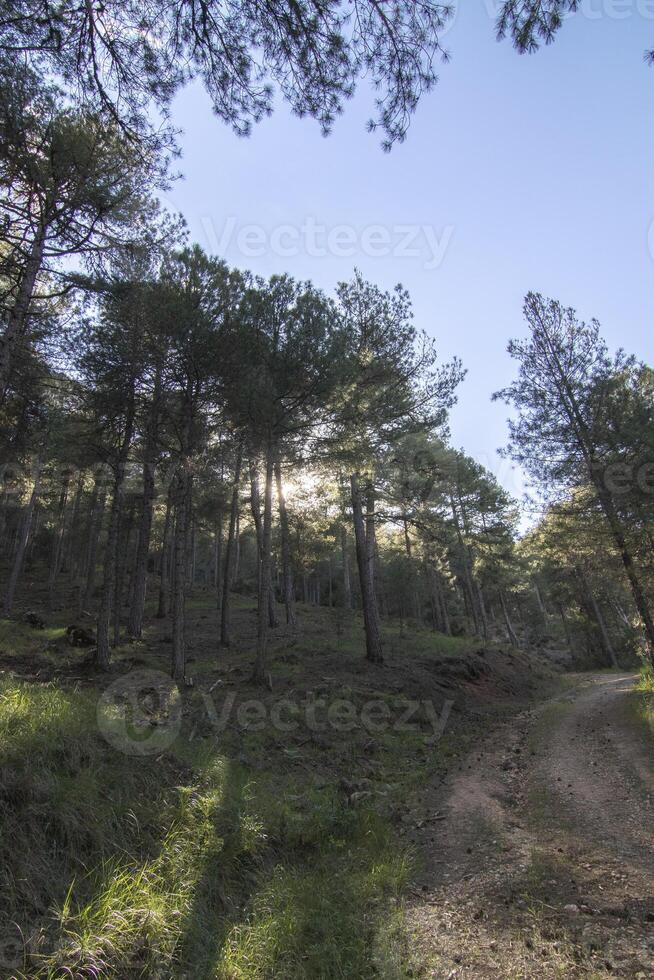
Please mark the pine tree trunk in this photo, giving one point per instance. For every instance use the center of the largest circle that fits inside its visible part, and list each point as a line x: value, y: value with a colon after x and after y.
x: 607, y: 646
x: 447, y: 626
x: 637, y: 591
x: 381, y: 596
x: 255, y: 502
x: 259, y: 675
x: 71, y: 549
x: 255, y: 507
x: 164, y: 578
x: 4, y: 514
x: 438, y: 623
x: 287, y: 570
x: 71, y: 554
x: 193, y: 555
x: 606, y: 639
x: 218, y: 557
x: 347, y: 587
x: 57, y: 544
x: 102, y: 654
x: 513, y: 639
x: 411, y: 576
x: 118, y: 583
x: 237, y: 548
x: 365, y: 561
x: 178, y: 667
x: 85, y: 538
x: 482, y: 612
x: 230, y: 563
x: 17, y: 317
x: 183, y: 510
x: 435, y: 620
x: 23, y: 539
x: 467, y: 583
x: 125, y: 524
x: 539, y: 600
x: 96, y: 514
x: 139, y: 582
x: 566, y: 629
x: 272, y: 611
x: 441, y: 618
x: 621, y: 613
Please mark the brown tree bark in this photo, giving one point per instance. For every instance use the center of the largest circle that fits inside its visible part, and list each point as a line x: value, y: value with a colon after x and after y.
x: 102, y: 653
x: 183, y: 504
x: 607, y: 646
x: 442, y: 619
x: 71, y: 558
x: 482, y: 611
x: 96, y: 514
x: 218, y: 557
x: 467, y: 581
x: 17, y: 317
x: 287, y: 570
x: 513, y: 639
x: 259, y: 674
x: 23, y: 539
x: 365, y: 550
x: 255, y: 502
x: 125, y: 526
x: 347, y: 587
x: 566, y: 628
x: 447, y: 626
x: 137, y: 606
x: 228, y: 572
x: 58, y: 540
x: 637, y: 591
x: 164, y: 578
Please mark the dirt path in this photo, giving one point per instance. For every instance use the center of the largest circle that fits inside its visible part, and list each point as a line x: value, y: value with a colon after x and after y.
x: 541, y: 861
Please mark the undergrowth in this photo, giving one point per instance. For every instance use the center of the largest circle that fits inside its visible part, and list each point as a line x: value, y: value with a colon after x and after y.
x: 230, y: 856
x: 139, y: 868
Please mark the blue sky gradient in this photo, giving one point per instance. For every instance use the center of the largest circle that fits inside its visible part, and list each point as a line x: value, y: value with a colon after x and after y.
x: 533, y: 172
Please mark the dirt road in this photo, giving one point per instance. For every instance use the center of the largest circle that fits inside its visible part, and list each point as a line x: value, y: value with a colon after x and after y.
x: 541, y: 861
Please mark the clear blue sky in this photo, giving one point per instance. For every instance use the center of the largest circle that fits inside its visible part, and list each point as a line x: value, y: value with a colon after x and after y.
x: 537, y: 170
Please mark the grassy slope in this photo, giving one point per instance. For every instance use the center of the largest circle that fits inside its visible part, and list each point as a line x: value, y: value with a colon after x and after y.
x: 235, y: 854
x: 642, y: 705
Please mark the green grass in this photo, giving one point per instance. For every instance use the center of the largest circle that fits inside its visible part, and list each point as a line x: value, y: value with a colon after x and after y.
x: 235, y: 856
x: 191, y: 864
x: 19, y: 639
x: 148, y: 869
x: 645, y: 684
x: 641, y: 704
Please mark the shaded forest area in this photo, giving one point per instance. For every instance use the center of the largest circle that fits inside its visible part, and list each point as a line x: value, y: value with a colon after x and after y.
x: 158, y: 406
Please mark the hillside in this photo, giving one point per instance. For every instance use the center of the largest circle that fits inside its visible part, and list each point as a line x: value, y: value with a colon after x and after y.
x: 252, y: 851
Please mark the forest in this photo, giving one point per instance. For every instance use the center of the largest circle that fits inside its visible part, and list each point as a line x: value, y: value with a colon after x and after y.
x: 250, y: 483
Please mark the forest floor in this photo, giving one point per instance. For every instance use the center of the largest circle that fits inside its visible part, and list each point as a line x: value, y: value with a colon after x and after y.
x: 348, y: 822
x: 543, y: 865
